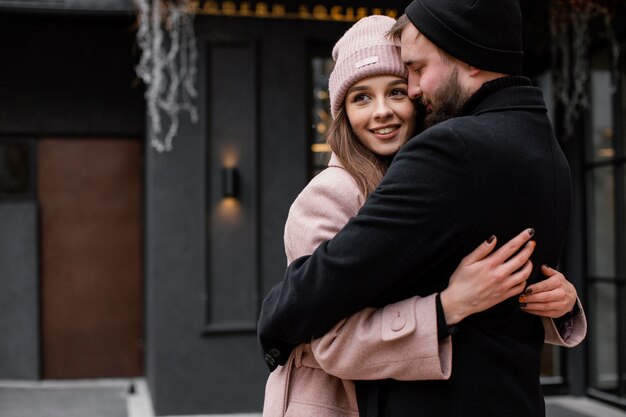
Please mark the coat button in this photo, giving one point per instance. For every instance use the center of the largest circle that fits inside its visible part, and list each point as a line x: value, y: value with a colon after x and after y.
x: 274, y: 352
x: 270, y: 360
x: 398, y: 324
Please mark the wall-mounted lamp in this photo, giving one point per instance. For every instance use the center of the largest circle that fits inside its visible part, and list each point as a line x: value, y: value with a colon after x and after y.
x: 229, y: 182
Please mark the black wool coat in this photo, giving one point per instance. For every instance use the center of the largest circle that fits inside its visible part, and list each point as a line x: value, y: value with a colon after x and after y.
x: 497, y: 169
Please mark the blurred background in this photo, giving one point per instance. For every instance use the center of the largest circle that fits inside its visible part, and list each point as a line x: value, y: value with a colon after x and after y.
x: 149, y: 153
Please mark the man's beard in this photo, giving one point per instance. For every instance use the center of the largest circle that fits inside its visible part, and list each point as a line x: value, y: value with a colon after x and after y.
x: 449, y: 100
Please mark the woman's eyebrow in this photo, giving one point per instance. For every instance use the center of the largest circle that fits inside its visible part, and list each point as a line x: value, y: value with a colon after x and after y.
x: 357, y: 88
x: 396, y: 82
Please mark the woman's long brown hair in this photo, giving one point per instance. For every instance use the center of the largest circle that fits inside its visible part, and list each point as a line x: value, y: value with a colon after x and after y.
x: 366, y: 167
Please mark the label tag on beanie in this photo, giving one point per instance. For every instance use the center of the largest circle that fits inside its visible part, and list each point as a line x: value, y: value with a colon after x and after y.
x: 366, y: 61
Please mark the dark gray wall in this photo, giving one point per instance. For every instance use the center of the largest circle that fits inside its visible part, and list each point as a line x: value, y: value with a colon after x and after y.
x: 201, y: 359
x: 19, y: 301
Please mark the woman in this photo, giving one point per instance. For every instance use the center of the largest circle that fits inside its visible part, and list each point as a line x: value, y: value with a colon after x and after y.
x: 372, y: 118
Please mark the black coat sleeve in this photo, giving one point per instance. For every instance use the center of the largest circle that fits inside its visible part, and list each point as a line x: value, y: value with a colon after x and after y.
x: 409, y: 225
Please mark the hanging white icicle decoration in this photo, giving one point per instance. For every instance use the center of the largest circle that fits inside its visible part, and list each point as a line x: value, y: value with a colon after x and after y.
x: 167, y: 66
x: 569, y: 30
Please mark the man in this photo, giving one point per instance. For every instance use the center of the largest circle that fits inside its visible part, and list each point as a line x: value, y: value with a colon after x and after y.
x: 488, y: 164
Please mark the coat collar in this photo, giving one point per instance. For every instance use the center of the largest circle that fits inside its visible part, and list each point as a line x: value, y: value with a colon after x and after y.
x: 334, y: 161
x: 506, y: 93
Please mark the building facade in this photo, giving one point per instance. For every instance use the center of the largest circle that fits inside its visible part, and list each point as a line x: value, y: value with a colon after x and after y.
x: 118, y: 261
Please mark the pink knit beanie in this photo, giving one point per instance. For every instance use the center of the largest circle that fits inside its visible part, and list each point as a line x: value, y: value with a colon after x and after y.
x: 363, y: 51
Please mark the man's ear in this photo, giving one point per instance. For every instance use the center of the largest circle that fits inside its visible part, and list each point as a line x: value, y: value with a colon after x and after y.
x: 473, y: 71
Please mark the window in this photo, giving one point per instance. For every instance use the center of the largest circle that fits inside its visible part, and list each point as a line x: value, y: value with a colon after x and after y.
x: 605, y: 169
x: 321, y: 65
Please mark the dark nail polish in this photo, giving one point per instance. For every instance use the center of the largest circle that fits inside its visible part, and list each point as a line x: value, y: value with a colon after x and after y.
x: 490, y: 239
x: 529, y: 291
x: 531, y: 231
x: 522, y: 305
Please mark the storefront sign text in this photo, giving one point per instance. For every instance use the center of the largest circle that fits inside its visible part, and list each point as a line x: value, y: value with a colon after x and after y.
x: 281, y: 11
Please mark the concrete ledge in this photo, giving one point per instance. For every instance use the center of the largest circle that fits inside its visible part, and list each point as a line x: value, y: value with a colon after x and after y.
x: 566, y: 406
x: 63, y: 400
x: 139, y: 403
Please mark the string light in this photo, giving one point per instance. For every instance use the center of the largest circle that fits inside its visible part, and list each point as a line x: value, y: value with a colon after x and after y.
x: 167, y: 66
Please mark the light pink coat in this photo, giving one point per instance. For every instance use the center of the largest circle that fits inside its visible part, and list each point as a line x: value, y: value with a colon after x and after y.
x: 390, y: 342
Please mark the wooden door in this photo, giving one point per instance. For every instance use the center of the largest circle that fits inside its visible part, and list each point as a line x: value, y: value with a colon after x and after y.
x: 89, y: 192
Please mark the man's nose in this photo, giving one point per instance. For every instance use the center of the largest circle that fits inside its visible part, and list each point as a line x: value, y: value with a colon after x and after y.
x: 415, y: 91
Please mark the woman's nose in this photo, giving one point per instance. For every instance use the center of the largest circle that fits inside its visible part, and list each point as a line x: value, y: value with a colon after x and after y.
x: 382, y: 110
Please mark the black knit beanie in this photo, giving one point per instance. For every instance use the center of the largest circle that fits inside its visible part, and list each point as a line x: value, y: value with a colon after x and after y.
x: 486, y: 34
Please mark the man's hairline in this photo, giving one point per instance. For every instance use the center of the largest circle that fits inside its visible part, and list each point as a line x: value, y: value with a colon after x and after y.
x: 395, y: 35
